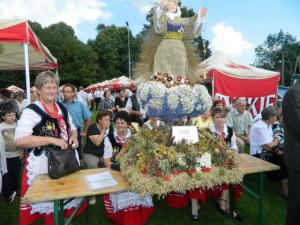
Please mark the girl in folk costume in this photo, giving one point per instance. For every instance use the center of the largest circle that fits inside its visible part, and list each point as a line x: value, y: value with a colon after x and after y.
x: 125, y: 208
x: 226, y: 135
x: 228, y: 139
x: 43, y: 123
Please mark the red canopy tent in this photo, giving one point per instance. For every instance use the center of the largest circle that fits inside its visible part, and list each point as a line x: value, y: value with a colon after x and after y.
x: 113, y: 84
x: 93, y: 87
x: 14, y: 89
x: 231, y: 79
x: 120, y: 82
x: 21, y: 49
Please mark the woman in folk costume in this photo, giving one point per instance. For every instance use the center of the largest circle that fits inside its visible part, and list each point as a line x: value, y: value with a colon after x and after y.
x: 125, y: 208
x: 168, y: 70
x: 44, y: 123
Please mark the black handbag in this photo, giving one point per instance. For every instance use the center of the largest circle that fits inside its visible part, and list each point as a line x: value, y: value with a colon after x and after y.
x: 62, y: 162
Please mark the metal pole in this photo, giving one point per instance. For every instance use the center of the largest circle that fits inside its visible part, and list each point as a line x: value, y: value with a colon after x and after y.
x: 297, y: 64
x: 129, y: 61
x: 56, y: 212
x: 261, y: 199
x: 298, y: 60
x: 61, y: 212
x: 282, y: 68
x: 27, y: 71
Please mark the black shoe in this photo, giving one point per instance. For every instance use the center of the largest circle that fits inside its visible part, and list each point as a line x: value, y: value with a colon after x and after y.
x: 195, y: 217
x: 283, y: 195
x: 222, y: 211
x: 238, y: 217
x: 12, y: 197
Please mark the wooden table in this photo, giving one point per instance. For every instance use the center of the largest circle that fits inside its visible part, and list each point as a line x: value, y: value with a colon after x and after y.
x: 252, y: 165
x: 74, y: 186
x: 249, y: 165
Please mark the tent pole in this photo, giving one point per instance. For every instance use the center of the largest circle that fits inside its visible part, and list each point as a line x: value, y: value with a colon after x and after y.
x: 27, y: 71
x: 213, y: 86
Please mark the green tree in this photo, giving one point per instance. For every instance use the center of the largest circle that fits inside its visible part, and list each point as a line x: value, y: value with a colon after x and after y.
x: 203, y: 47
x: 8, y: 78
x: 185, y: 12
x: 77, y: 61
x: 111, y: 45
x: 269, y: 53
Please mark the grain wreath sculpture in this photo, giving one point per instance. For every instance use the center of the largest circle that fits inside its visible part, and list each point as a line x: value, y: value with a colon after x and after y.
x: 169, y: 87
x: 153, y: 165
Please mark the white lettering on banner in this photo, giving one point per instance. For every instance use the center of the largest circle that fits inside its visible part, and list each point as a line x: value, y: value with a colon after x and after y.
x: 253, y: 105
x: 262, y: 103
x: 255, y: 108
x: 269, y: 103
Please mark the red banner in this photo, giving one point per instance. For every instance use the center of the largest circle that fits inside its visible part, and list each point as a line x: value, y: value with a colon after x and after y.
x: 259, y: 93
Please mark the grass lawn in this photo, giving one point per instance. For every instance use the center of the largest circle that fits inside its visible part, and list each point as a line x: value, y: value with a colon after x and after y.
x: 275, y: 207
x: 163, y: 215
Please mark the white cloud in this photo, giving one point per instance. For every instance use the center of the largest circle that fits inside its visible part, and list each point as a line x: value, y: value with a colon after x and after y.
x: 72, y: 12
x: 143, y: 5
x: 227, y: 39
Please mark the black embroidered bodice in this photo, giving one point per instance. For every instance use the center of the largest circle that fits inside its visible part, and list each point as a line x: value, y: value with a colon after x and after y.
x: 227, y: 139
x: 47, y: 127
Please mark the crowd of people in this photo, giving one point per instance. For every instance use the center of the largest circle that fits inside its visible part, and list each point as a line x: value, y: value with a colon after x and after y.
x: 63, y: 118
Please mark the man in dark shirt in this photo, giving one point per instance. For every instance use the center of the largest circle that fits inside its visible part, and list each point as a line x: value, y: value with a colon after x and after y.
x: 291, y: 121
x: 121, y: 100
x: 137, y: 114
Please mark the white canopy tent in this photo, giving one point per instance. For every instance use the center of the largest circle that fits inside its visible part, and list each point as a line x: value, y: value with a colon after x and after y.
x: 232, y: 79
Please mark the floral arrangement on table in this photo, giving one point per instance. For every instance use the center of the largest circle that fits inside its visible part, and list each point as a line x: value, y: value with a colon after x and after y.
x: 153, y: 165
x: 160, y: 100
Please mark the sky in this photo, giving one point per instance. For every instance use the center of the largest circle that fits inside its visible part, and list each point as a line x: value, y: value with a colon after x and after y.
x: 233, y: 26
